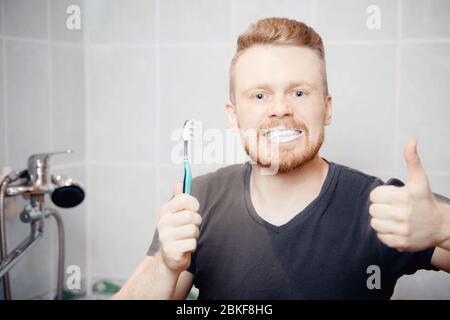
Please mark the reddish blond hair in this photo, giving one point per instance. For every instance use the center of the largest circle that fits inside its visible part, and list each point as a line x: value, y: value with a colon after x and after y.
x: 279, y: 31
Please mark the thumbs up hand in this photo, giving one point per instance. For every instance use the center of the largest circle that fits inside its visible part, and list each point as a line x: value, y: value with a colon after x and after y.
x: 408, y: 218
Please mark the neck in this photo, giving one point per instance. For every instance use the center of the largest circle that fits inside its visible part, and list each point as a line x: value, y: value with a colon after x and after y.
x: 288, y: 191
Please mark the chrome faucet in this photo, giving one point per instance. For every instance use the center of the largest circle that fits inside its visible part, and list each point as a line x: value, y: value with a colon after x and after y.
x: 33, y: 183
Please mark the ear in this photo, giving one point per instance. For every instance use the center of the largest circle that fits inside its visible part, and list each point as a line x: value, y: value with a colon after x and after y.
x: 328, y: 110
x: 232, y: 122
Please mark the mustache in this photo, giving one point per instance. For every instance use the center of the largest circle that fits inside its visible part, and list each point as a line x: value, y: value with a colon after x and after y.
x: 289, y: 123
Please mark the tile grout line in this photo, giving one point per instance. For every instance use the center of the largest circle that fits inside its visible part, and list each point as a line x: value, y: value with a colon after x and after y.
x: 232, y: 20
x: 217, y: 165
x: 69, y: 165
x: 398, y: 68
x: 220, y: 44
x: 5, y: 94
x: 43, y: 41
x: 52, y: 238
x: 123, y: 164
x: 50, y: 78
x: 157, y: 102
x: 87, y: 170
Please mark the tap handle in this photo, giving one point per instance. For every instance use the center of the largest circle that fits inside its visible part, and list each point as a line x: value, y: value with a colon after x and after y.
x: 41, y: 160
x: 34, y: 158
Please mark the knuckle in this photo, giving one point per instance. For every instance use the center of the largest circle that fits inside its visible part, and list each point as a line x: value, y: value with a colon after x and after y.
x: 380, y: 237
x: 187, y: 218
x: 373, y: 194
x: 193, y: 203
x: 179, y: 218
x: 196, y: 204
x: 192, y: 217
x: 407, y: 230
x: 193, y: 244
x: 401, y: 217
x: 192, y: 230
x: 184, y: 199
x: 197, y: 218
x: 179, y: 200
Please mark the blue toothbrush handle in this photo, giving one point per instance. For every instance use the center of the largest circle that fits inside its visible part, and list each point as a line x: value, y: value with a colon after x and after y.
x: 187, y: 181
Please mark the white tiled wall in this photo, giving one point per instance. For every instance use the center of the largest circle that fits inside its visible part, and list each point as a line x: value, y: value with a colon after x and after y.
x: 26, y: 18
x: 2, y: 108
x: 345, y: 20
x: 425, y: 19
x: 182, y: 97
x: 121, y: 104
x: 115, y: 90
x: 423, y: 94
x: 58, y: 16
x: 113, y: 21
x: 364, y: 100
x: 195, y: 21
x: 68, y: 101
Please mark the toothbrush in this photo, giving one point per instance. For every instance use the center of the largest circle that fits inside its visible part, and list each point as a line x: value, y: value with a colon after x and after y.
x: 188, y: 133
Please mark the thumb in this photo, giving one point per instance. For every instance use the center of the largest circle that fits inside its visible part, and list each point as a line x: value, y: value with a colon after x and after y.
x: 177, y: 189
x: 416, y: 173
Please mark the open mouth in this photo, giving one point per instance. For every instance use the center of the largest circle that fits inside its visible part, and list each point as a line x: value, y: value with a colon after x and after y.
x: 282, y: 134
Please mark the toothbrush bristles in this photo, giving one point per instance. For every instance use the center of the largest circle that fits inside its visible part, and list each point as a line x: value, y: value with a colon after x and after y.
x: 188, y: 130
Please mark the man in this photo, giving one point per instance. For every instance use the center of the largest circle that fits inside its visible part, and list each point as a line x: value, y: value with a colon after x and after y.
x: 314, y: 229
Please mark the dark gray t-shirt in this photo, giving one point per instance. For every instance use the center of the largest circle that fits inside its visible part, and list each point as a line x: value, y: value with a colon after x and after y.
x: 327, y: 251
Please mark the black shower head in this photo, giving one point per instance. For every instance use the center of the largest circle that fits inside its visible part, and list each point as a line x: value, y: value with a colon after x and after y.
x: 67, y: 194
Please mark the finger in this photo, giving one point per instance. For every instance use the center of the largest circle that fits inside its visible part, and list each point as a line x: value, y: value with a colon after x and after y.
x: 186, y: 245
x: 386, y: 211
x: 188, y: 231
x: 416, y: 173
x: 389, y: 227
x: 181, y: 202
x: 185, y: 217
x: 393, y: 241
x: 388, y: 194
x: 177, y: 189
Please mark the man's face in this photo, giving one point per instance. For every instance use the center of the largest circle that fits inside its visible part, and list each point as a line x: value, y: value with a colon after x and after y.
x: 280, y: 105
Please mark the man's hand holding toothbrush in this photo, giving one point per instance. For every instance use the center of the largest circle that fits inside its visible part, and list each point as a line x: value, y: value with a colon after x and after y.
x: 178, y: 229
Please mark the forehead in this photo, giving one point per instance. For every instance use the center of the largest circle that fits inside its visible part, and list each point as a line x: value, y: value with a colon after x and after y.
x: 277, y: 65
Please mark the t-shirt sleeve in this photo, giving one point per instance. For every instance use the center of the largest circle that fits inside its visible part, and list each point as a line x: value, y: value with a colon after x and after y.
x: 398, y: 263
x: 154, y: 247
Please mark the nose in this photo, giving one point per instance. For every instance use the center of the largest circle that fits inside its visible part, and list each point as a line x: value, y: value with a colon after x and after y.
x: 280, y: 109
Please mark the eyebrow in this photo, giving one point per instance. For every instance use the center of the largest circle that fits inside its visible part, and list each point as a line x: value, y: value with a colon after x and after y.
x: 290, y: 86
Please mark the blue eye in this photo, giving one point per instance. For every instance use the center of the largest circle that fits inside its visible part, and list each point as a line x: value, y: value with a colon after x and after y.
x: 259, y: 96
x: 299, y: 93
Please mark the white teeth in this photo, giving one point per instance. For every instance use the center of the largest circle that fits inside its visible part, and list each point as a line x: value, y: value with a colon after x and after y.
x: 282, y: 134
